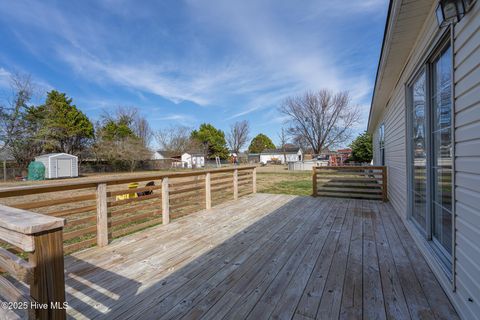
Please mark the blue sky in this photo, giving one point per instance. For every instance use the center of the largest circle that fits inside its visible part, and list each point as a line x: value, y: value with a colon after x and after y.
x: 193, y: 61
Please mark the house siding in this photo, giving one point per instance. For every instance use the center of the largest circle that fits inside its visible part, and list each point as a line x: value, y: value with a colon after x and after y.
x: 467, y: 151
x: 467, y: 162
x: 395, y: 151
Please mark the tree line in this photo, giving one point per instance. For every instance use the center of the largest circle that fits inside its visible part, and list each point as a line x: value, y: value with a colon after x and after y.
x: 58, y: 125
x: 212, y: 142
x: 314, y: 120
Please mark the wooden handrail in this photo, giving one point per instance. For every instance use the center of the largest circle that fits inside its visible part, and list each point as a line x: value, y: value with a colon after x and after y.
x: 97, y: 202
x: 73, y: 185
x: 350, y: 167
x: 368, y: 182
x: 41, y: 237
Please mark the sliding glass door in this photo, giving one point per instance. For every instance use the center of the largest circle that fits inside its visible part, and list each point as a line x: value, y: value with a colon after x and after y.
x: 431, y: 151
x: 419, y: 152
x: 442, y: 150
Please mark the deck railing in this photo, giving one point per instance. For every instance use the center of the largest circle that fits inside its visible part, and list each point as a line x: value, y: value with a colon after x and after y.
x: 98, y: 210
x: 360, y: 182
x: 95, y: 212
x: 31, y: 288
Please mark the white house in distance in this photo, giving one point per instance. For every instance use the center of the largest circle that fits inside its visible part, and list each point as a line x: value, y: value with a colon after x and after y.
x: 193, y: 159
x: 162, y: 155
x: 59, y: 165
x: 190, y: 159
x: 290, y: 154
x: 425, y: 121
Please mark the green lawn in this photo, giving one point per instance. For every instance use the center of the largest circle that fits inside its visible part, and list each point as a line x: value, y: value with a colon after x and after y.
x: 285, y: 183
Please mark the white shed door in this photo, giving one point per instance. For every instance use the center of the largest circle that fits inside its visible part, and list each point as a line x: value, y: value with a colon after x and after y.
x: 64, y: 168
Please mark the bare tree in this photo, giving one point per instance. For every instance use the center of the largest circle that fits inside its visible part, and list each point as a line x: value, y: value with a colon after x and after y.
x: 323, y: 119
x: 301, y: 142
x: 237, y: 137
x: 175, y: 139
x: 135, y: 120
x: 122, y: 137
x: 11, y: 113
x: 282, y: 136
x: 142, y: 129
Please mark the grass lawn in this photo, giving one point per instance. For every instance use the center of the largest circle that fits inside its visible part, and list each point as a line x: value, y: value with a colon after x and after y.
x: 295, y: 183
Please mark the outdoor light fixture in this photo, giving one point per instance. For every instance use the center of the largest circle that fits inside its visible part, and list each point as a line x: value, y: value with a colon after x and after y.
x: 452, y: 11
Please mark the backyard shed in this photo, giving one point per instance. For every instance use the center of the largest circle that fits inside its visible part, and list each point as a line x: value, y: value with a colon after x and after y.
x: 59, y: 165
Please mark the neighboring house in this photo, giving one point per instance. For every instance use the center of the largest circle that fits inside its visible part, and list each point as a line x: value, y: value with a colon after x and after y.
x: 337, y: 158
x: 59, y: 165
x: 193, y: 159
x: 344, y: 154
x: 283, y: 155
x: 190, y: 159
x: 425, y: 121
x: 162, y: 155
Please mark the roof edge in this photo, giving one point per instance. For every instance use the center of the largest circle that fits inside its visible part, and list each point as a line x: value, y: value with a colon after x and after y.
x: 387, y: 22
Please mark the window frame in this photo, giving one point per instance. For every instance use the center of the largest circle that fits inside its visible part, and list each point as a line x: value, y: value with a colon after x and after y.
x: 381, y: 143
x: 434, y: 50
x: 410, y: 171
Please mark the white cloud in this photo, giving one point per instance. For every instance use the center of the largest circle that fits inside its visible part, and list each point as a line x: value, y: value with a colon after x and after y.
x: 269, y: 52
x: 4, y: 78
x: 183, y: 119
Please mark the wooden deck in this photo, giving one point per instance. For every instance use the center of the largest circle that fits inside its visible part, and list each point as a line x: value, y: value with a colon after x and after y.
x: 263, y: 256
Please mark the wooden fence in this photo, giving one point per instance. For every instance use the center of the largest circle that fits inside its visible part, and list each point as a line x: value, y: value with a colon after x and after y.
x: 75, y: 215
x: 360, y: 182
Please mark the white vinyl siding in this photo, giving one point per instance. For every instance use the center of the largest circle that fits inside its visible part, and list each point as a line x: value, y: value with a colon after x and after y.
x: 395, y: 152
x: 467, y: 162
x: 395, y: 125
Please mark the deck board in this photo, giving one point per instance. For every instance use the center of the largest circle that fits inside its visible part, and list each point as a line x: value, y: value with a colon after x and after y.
x: 263, y: 256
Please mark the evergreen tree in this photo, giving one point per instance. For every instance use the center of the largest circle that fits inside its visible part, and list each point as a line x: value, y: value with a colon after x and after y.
x: 212, y: 139
x: 64, y: 127
x: 260, y: 143
x: 362, y: 148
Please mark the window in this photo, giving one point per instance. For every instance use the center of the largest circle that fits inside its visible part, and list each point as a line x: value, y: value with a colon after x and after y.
x: 441, y: 137
x: 381, y: 143
x: 431, y: 151
x: 419, y: 154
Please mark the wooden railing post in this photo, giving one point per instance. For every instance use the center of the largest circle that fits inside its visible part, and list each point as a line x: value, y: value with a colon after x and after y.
x: 235, y: 184
x: 314, y: 182
x: 165, y: 201
x: 48, y: 285
x: 254, y: 180
x: 102, y: 215
x: 208, y: 191
x: 384, y: 184
x: 40, y: 236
